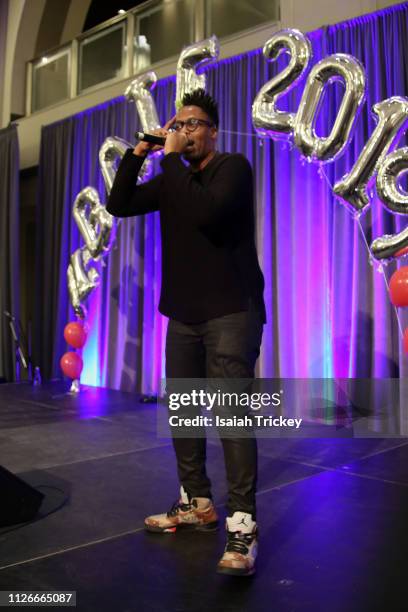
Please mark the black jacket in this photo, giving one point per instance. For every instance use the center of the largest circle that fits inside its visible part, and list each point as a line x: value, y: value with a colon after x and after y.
x: 209, y: 262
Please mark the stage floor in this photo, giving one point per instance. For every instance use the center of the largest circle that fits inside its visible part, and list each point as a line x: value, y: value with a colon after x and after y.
x: 332, y: 514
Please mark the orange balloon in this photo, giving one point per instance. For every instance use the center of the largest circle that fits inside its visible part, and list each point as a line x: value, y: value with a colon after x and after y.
x: 399, y: 287
x: 75, y: 334
x: 71, y: 364
x: 402, y: 252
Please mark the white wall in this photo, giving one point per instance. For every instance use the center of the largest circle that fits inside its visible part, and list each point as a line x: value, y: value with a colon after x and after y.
x: 75, y: 20
x: 25, y: 49
x: 15, y: 11
x: 3, y: 35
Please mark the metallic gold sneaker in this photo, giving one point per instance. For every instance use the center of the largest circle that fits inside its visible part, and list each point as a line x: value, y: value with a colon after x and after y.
x: 242, y: 546
x: 197, y: 513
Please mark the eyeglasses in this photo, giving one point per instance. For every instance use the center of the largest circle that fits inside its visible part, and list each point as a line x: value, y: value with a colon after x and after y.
x: 191, y: 124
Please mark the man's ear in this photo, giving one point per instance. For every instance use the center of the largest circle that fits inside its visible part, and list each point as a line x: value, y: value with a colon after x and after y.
x: 214, y: 133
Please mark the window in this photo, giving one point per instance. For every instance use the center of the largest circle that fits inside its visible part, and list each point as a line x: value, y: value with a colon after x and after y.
x: 225, y: 17
x: 101, y: 56
x: 50, y: 82
x: 162, y: 32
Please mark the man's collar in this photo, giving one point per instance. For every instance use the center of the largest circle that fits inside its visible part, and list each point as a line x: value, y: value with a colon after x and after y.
x: 209, y: 162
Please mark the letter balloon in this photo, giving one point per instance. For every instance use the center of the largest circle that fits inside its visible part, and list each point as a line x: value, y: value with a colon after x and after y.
x: 94, y: 222
x: 392, y: 117
x: 192, y: 58
x: 390, y: 245
x: 396, y: 200
x: 266, y: 118
x: 113, y: 149
x: 347, y: 69
x: 80, y: 280
x: 388, y: 177
x: 139, y: 91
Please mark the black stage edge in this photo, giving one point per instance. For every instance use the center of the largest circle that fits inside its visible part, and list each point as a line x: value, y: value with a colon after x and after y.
x: 332, y: 514
x: 20, y: 503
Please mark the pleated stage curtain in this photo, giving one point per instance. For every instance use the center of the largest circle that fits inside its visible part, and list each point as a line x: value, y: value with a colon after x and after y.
x: 329, y: 313
x: 9, y: 246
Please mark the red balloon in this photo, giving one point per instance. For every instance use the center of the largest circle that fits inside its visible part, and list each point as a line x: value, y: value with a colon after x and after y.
x: 402, y: 252
x: 75, y: 334
x: 71, y: 364
x: 399, y: 287
x: 406, y: 341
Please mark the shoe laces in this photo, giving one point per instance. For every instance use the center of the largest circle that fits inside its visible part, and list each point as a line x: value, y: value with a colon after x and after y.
x: 179, y: 506
x: 239, y: 542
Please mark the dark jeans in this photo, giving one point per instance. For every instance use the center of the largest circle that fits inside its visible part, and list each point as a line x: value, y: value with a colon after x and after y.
x: 225, y: 347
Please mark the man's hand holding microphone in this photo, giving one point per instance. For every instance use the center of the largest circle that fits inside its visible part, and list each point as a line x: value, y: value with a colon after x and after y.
x: 174, y: 142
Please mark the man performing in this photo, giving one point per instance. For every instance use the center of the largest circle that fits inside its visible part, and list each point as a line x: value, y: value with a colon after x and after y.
x: 212, y: 292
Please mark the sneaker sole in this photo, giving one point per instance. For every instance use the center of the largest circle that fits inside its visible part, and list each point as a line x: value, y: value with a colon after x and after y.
x: 206, y: 528
x: 234, y: 571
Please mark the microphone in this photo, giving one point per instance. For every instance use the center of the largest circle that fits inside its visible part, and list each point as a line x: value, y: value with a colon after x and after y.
x: 158, y: 140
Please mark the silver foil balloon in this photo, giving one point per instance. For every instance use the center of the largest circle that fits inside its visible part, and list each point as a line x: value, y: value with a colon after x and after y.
x: 388, y: 189
x: 388, y: 176
x: 347, y: 69
x: 80, y: 280
x: 390, y: 245
x: 146, y: 171
x: 266, y: 118
x: 392, y: 117
x: 96, y: 225
x: 113, y: 149
x: 79, y: 309
x: 139, y: 91
x: 192, y: 58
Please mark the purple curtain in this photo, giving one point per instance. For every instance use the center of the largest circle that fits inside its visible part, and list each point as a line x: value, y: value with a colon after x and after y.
x: 9, y: 245
x: 329, y: 313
